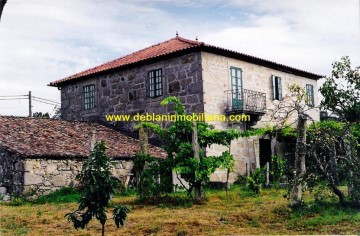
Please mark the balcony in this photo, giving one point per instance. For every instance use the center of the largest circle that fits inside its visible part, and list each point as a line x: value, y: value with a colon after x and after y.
x: 246, y: 101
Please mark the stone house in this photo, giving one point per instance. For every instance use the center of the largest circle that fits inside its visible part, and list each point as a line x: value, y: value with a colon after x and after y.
x: 43, y: 155
x: 208, y: 79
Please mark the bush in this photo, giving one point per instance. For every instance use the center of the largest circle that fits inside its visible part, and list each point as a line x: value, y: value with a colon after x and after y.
x: 63, y: 195
x: 256, y: 181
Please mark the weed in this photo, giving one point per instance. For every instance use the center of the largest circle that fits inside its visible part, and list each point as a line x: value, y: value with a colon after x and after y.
x: 63, y: 195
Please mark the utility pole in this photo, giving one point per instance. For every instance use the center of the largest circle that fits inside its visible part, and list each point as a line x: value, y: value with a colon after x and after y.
x: 30, y: 106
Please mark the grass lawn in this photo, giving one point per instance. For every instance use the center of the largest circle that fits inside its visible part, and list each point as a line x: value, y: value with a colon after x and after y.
x: 239, y: 212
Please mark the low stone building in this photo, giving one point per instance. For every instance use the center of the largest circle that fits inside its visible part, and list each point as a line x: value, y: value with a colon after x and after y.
x: 42, y: 155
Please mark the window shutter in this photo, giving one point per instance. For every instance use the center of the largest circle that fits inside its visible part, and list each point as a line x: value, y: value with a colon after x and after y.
x: 274, y: 86
x: 279, y: 88
x: 310, y: 94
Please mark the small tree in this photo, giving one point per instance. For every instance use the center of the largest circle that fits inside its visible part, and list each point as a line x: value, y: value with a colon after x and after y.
x: 98, y: 186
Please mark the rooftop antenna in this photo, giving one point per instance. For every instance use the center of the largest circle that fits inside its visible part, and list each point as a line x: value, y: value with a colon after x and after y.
x: 177, y: 34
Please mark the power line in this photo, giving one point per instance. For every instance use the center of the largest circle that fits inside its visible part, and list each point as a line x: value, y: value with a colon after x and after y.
x: 46, y: 99
x: 14, y: 95
x: 12, y: 98
x: 54, y: 104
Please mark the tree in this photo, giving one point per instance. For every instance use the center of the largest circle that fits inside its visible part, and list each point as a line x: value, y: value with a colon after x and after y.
x: 295, y: 105
x: 185, y: 142
x: 57, y: 113
x: 2, y: 4
x: 41, y: 115
x: 341, y: 92
x: 98, y: 186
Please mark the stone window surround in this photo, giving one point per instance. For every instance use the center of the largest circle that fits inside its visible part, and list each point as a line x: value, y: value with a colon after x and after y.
x: 310, y: 95
x: 82, y: 85
x: 89, y: 96
x: 276, y: 87
x: 157, y: 90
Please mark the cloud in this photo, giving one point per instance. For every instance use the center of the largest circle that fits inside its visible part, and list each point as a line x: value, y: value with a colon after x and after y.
x: 42, y: 41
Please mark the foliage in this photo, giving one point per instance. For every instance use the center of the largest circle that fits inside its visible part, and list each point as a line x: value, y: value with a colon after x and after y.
x: 120, y: 214
x: 277, y: 167
x: 98, y: 186
x: 57, y: 112
x: 41, y: 115
x: 178, y: 144
x: 152, y: 176
x: 63, y: 195
x: 341, y: 91
x: 257, y: 180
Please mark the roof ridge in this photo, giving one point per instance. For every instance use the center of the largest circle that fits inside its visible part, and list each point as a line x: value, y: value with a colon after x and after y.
x: 188, y: 40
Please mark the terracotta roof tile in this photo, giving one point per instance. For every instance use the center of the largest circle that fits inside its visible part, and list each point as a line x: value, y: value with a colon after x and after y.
x: 32, y: 137
x: 173, y: 46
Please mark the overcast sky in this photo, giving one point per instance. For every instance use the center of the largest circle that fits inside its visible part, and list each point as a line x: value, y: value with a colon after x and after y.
x: 46, y: 40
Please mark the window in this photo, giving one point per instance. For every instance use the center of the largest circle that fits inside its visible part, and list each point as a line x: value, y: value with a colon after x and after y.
x: 236, y: 88
x: 155, y: 83
x: 310, y: 95
x: 277, y: 89
x: 89, y: 97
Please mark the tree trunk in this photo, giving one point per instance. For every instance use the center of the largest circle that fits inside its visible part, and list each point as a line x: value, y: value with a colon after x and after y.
x: 348, y: 156
x: 143, y: 138
x: 195, y: 145
x: 333, y: 162
x: 300, y: 152
x: 331, y: 180
x: 103, y: 229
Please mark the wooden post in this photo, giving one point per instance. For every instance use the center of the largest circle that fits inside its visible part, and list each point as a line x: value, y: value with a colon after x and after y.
x: 30, y: 105
x: 143, y: 138
x: 92, y: 140
x: 247, y: 169
x: 195, y: 142
x: 267, y: 174
x: 195, y: 146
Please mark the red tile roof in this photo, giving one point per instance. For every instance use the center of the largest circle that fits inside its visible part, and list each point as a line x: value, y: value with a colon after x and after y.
x: 34, y: 137
x: 173, y: 47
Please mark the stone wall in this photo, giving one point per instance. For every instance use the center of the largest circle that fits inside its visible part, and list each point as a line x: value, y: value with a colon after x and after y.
x: 11, y: 171
x: 126, y: 91
x: 45, y: 175
x: 216, y: 80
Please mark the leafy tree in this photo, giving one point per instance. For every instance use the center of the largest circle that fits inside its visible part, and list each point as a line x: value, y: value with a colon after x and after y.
x: 341, y: 91
x: 41, y: 115
x: 98, y: 186
x: 57, y: 113
x: 187, y: 160
x: 327, y: 152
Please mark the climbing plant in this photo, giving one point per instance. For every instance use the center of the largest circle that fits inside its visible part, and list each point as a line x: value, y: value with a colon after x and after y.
x: 178, y: 142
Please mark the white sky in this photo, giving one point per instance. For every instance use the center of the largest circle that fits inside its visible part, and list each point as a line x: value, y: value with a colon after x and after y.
x: 43, y: 41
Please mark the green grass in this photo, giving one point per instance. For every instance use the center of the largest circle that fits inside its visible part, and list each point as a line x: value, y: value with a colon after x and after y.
x: 63, y: 195
x: 237, y: 212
